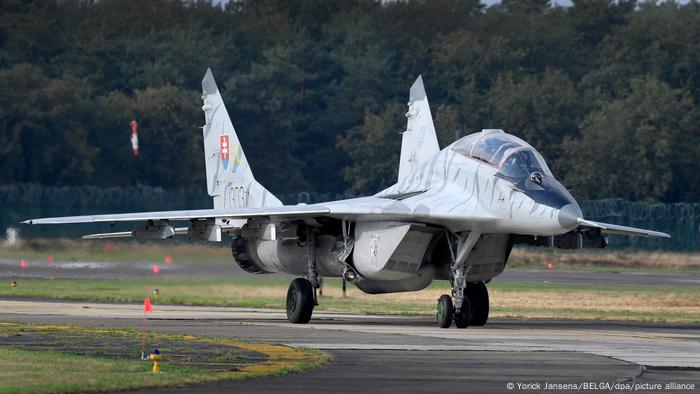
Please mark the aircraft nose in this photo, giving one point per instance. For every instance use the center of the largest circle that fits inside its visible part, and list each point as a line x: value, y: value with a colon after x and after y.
x: 568, y: 216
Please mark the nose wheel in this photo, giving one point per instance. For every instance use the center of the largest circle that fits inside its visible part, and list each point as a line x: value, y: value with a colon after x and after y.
x: 478, y: 296
x: 445, y: 311
x: 473, y: 312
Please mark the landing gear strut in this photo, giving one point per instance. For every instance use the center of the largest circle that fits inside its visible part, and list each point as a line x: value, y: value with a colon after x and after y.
x: 462, y: 305
x: 301, y: 296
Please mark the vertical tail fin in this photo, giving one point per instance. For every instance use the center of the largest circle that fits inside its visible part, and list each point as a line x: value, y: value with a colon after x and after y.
x: 419, y: 143
x: 229, y: 177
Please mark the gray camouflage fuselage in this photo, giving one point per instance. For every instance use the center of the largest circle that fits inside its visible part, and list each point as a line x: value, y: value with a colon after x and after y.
x: 391, y: 254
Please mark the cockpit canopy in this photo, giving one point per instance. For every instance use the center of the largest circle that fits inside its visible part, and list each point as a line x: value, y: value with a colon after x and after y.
x: 513, y: 157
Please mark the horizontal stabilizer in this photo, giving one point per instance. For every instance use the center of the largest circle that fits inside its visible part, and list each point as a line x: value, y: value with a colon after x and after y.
x: 623, y: 230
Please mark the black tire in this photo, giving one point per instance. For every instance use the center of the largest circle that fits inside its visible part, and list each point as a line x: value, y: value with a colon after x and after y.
x: 445, y: 311
x: 300, y: 301
x: 479, y: 298
x: 464, y: 315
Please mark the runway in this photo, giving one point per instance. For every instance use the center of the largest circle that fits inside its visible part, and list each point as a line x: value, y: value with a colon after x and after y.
x: 410, y: 354
x: 189, y: 270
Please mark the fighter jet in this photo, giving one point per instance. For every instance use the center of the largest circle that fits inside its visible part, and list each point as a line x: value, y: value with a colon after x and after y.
x: 453, y: 214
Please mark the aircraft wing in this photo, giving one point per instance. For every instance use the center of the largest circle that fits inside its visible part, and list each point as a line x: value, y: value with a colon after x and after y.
x: 367, y: 208
x: 624, y: 230
x: 291, y: 211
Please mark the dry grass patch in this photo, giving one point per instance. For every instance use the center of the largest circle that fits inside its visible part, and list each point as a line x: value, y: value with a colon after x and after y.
x: 635, y: 301
x: 545, y: 302
x: 588, y: 258
x: 530, y: 300
x: 642, y: 302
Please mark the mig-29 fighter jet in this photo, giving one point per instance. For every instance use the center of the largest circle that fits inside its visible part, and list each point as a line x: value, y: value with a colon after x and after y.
x: 454, y: 214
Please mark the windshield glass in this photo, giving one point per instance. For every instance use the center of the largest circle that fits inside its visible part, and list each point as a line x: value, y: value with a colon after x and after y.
x: 490, y: 149
x: 522, y: 163
x: 513, y: 156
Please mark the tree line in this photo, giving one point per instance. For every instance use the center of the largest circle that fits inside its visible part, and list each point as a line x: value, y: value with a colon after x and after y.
x: 607, y: 91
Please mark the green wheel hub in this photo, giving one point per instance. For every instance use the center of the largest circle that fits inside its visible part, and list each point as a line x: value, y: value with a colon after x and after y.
x: 440, y: 311
x: 291, y: 301
x: 444, y: 312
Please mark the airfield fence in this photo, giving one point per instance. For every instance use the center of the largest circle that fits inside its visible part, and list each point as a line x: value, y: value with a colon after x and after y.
x: 21, y: 201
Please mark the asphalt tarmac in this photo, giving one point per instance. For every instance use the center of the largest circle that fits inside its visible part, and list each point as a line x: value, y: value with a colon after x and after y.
x: 409, y: 354
x: 184, y: 270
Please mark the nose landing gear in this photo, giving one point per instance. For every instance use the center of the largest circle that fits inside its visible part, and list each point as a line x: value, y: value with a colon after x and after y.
x: 460, y: 246
x: 463, y: 316
x: 474, y: 310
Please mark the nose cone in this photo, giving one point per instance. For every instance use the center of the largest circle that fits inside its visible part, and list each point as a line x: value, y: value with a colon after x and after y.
x: 569, y: 215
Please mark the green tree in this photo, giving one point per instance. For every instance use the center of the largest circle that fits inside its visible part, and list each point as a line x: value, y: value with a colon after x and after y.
x: 265, y: 106
x: 170, y: 138
x: 43, y: 136
x: 630, y: 147
x: 305, y: 79
x: 374, y: 149
x: 542, y: 110
x: 660, y: 40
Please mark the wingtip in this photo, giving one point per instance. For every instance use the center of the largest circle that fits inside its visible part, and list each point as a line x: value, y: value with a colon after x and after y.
x: 208, y: 82
x: 417, y: 91
x: 27, y: 222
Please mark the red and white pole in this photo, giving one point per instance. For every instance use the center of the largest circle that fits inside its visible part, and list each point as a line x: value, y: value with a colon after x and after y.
x: 134, y: 137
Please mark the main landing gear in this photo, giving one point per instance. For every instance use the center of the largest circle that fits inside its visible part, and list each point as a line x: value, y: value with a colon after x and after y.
x: 301, y: 296
x: 300, y: 301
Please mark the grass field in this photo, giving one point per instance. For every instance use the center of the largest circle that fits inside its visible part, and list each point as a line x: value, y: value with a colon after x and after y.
x: 523, y: 300
x: 60, y: 359
x: 54, y: 372
x: 658, y: 304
